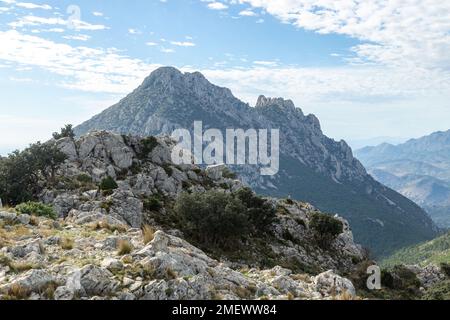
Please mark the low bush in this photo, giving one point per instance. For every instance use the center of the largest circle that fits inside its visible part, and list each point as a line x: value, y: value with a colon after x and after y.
x: 153, y: 203
x: 84, y: 178
x: 228, y: 174
x: 37, y: 208
x: 108, y: 184
x: 440, y: 291
x: 445, y: 267
x: 148, y: 145
x: 325, y: 228
x: 222, y: 219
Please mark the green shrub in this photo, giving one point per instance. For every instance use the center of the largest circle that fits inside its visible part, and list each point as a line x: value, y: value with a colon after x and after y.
x: 108, y: 184
x: 37, y: 209
x: 445, y: 267
x: 84, y: 178
x: 325, y: 228
x: 148, y: 145
x: 440, y: 291
x: 213, y: 218
x: 400, y: 278
x: 260, y: 212
x: 289, y: 201
x: 20, y: 172
x: 168, y: 169
x: 66, y: 132
x: 135, y: 168
x: 153, y: 203
x: 228, y: 174
x: 222, y: 219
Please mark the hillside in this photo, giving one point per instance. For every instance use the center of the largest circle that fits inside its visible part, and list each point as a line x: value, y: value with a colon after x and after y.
x: 435, y: 252
x: 313, y: 167
x: 118, y: 221
x: 418, y: 169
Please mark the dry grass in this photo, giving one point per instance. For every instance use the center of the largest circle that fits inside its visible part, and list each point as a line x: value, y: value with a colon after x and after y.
x: 17, y: 266
x: 148, y: 234
x: 124, y: 247
x: 18, y: 292
x: 344, y: 296
x: 170, y: 274
x: 49, y: 291
x: 34, y: 221
x: 242, y: 293
x: 127, y: 259
x: 301, y: 277
x: 290, y: 296
x: 105, y: 225
x: 67, y: 243
x: 20, y: 231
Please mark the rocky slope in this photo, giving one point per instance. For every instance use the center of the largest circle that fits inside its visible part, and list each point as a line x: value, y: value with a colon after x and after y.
x: 97, y: 248
x: 419, y: 169
x: 313, y: 168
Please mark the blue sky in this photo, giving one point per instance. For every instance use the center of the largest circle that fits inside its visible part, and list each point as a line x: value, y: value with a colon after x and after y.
x: 366, y: 68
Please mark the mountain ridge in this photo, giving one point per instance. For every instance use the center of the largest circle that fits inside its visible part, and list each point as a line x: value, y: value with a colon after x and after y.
x: 418, y: 169
x: 169, y: 99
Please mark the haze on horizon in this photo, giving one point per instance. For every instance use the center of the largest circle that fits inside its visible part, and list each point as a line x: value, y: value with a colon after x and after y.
x: 367, y: 69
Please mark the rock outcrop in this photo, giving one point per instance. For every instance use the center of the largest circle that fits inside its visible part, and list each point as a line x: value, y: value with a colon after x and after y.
x: 96, y: 249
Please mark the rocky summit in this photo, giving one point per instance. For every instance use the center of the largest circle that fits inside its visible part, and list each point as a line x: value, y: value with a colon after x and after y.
x: 120, y: 242
x: 313, y: 167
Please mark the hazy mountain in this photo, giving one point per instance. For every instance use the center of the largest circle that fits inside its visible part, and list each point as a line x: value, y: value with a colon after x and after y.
x: 369, y: 142
x: 419, y: 169
x: 313, y: 167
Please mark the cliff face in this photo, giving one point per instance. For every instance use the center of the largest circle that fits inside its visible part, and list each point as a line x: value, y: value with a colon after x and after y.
x: 313, y: 167
x: 97, y: 249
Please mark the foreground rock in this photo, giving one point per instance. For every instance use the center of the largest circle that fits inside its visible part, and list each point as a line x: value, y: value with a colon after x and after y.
x: 96, y: 249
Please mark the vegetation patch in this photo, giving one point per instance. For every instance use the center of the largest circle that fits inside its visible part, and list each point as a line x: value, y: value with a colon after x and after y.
x: 325, y: 228
x: 148, y: 145
x: 37, y: 208
x: 108, y: 184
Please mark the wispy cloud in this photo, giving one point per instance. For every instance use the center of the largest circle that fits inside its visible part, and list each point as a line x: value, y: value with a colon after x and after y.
x: 167, y: 50
x: 55, y: 21
x: 29, y: 5
x: 412, y: 33
x: 183, y: 43
x: 80, y: 67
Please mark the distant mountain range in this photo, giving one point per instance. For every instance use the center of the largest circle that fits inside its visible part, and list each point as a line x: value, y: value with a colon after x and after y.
x: 419, y: 169
x: 313, y: 167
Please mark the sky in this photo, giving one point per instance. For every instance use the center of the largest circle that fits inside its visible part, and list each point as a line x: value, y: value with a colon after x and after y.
x: 367, y: 69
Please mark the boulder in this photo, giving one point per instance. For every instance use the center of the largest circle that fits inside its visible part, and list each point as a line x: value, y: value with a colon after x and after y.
x: 331, y: 284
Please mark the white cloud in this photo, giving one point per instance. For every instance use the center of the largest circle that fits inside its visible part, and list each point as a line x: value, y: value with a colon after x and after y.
x: 134, y: 31
x: 29, y: 5
x: 405, y: 33
x: 81, y: 68
x: 183, y: 43
x: 151, y: 44
x: 97, y: 14
x: 248, y: 13
x: 40, y: 21
x: 79, y: 37
x: 217, y: 6
x: 167, y: 50
x: 266, y: 63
